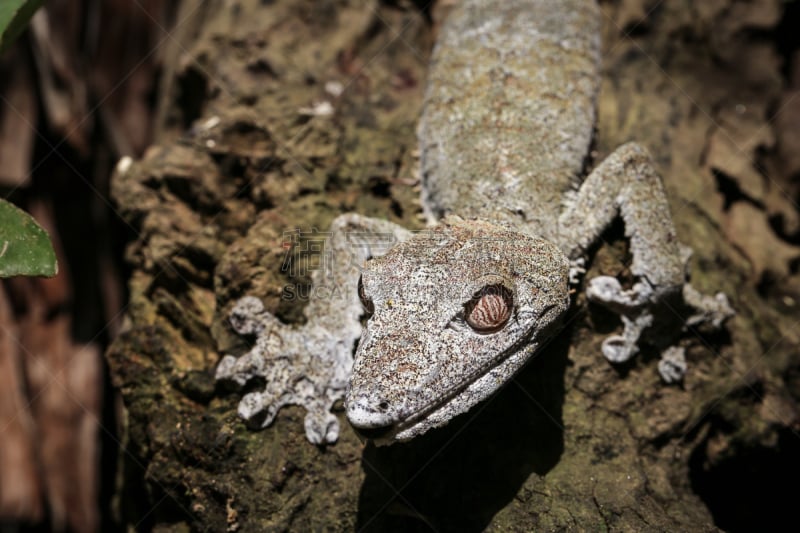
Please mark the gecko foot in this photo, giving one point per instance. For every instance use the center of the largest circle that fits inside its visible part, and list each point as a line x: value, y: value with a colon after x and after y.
x: 656, y: 316
x: 631, y: 305
x: 299, y: 366
x: 714, y: 310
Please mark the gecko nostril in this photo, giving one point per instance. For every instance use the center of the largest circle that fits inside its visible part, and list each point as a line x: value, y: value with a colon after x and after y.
x: 383, y: 406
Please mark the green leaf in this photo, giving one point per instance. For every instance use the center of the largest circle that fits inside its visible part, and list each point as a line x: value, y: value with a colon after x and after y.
x: 25, y: 248
x: 14, y: 16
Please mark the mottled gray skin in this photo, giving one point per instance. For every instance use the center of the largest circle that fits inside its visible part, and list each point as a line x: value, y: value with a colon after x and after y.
x: 505, y: 133
x: 509, y: 111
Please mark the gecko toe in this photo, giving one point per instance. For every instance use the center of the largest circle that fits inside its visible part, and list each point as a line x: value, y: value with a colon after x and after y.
x: 672, y: 366
x: 617, y: 349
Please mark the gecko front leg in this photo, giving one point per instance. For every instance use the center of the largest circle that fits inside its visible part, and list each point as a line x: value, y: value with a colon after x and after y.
x: 626, y: 183
x: 310, y: 365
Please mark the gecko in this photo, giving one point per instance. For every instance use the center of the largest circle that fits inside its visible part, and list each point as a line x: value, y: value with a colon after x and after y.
x: 455, y: 311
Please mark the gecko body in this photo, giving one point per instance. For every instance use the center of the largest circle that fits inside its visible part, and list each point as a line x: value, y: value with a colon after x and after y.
x: 456, y: 311
x: 509, y: 111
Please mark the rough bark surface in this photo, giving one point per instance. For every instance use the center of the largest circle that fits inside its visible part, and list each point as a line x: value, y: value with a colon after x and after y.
x: 572, y: 443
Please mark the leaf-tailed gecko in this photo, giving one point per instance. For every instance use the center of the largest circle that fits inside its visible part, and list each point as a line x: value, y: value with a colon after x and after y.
x: 455, y: 311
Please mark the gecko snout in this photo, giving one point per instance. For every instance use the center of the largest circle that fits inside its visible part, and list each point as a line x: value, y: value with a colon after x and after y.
x: 370, y: 418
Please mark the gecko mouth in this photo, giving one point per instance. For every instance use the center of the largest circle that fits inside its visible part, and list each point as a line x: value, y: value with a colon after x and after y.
x: 384, y: 435
x: 398, y: 432
x: 375, y: 434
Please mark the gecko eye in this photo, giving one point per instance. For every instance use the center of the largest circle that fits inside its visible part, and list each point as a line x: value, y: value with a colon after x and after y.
x: 369, y: 307
x: 489, y: 309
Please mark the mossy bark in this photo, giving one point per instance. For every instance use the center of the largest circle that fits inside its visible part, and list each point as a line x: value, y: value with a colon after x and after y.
x: 300, y: 111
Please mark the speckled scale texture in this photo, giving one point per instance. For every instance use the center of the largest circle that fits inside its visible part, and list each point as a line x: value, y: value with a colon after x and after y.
x: 509, y: 109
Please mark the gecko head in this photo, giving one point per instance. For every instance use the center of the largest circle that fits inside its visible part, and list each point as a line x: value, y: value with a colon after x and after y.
x: 453, y: 313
